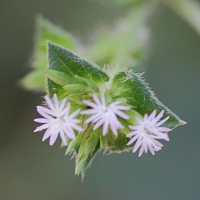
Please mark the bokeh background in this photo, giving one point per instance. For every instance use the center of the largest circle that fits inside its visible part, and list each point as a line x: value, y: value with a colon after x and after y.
x: 30, y: 169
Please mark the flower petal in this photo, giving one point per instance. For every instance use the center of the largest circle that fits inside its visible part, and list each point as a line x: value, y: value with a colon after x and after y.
x: 53, y: 137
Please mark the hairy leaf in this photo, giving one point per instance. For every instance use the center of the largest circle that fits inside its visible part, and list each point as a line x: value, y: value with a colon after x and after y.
x: 140, y: 96
x: 65, y: 61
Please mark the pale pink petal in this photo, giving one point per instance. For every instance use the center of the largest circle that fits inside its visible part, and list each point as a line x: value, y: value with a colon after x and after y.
x: 63, y: 138
x: 91, y: 104
x: 76, y: 127
x: 114, y: 104
x: 141, y: 151
x: 133, y: 140
x: 162, y: 122
x: 152, y: 115
x: 93, y: 117
x: 88, y: 112
x: 105, y: 127
x: 98, y: 124
x: 96, y: 100
x: 47, y: 134
x: 71, y: 133
x: 42, y: 127
x: 62, y: 104
x: 56, y: 103
x: 49, y: 103
x: 121, y: 107
x: 41, y: 120
x: 74, y: 114
x: 121, y: 114
x: 159, y: 116
x: 45, y: 112
x: 53, y: 137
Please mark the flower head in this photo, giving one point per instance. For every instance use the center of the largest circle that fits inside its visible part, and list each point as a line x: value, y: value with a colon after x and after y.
x: 106, y: 115
x: 147, y: 132
x: 56, y: 120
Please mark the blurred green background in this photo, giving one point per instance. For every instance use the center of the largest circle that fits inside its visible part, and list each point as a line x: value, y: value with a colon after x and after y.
x: 30, y: 169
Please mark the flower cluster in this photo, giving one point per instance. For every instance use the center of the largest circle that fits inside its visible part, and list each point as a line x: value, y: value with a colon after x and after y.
x: 57, y: 120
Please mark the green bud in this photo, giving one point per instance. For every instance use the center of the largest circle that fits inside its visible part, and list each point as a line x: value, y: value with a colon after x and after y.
x: 58, y: 77
x: 71, y: 88
x: 74, y: 143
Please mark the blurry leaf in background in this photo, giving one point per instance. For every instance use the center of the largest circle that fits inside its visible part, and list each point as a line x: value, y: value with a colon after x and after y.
x: 35, y: 80
x: 124, y: 46
x: 189, y: 10
x: 130, y: 2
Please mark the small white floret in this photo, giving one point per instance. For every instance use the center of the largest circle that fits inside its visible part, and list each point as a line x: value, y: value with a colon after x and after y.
x: 57, y: 121
x: 106, y: 115
x: 146, y: 133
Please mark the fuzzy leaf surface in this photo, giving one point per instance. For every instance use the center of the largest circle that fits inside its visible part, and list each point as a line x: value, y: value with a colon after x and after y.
x: 140, y: 96
x: 65, y: 61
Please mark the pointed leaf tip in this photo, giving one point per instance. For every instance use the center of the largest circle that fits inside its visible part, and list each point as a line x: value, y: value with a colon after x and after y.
x: 65, y: 61
x: 183, y: 122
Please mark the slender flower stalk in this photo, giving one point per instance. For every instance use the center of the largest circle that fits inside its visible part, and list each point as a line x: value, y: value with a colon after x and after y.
x: 57, y: 121
x: 146, y: 133
x: 106, y: 115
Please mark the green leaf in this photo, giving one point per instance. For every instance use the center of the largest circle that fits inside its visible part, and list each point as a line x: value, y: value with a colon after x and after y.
x: 102, y: 141
x: 118, y: 92
x: 72, y: 88
x: 87, y: 82
x: 140, y: 96
x: 124, y: 46
x: 74, y: 143
x: 90, y: 159
x: 83, y: 143
x: 189, y: 10
x: 87, y: 149
x: 91, y: 143
x: 65, y: 61
x: 45, y: 31
x: 80, y: 165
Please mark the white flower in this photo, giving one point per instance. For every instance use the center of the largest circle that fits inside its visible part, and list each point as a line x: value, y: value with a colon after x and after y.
x: 147, y: 131
x: 57, y: 120
x: 101, y: 114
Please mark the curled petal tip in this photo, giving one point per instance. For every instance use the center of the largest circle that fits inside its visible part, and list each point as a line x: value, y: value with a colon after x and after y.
x: 37, y: 129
